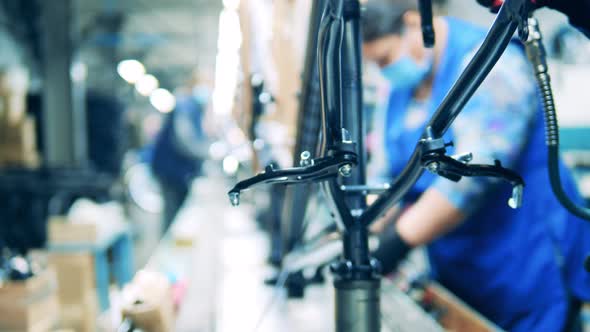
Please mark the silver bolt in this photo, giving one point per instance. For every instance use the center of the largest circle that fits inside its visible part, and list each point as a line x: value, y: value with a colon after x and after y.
x: 265, y: 98
x: 516, y: 200
x: 433, y: 167
x: 464, y: 158
x: 346, y: 138
x: 234, y: 199
x: 356, y: 212
x: 305, y: 159
x: 345, y: 170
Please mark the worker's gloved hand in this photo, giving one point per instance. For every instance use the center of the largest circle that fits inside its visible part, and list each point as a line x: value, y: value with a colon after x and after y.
x: 391, y: 251
x: 578, y: 11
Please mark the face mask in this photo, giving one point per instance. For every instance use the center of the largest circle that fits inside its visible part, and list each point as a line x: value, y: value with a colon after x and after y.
x: 406, y: 73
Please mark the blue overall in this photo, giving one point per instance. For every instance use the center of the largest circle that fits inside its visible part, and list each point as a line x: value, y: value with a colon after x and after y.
x: 519, y: 268
x: 167, y: 161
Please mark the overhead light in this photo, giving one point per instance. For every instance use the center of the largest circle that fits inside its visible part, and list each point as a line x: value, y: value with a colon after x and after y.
x: 130, y: 70
x: 163, y: 100
x: 146, y: 85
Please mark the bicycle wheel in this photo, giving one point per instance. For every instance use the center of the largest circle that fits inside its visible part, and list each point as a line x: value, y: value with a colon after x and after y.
x: 308, y: 126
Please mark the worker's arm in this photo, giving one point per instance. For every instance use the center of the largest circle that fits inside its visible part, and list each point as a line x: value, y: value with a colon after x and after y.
x: 495, y: 124
x: 381, y: 224
x: 431, y: 216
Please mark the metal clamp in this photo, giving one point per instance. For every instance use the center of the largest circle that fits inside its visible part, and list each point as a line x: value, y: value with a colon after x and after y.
x: 454, y: 170
x: 317, y: 170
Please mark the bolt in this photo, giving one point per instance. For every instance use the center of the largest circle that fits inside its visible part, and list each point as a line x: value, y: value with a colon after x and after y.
x: 256, y: 80
x: 305, y: 159
x: 341, y: 268
x: 465, y: 158
x: 346, y: 138
x: 356, y: 212
x: 234, y: 199
x: 345, y: 170
x: 516, y: 200
x: 375, y: 266
x: 433, y: 167
x: 265, y: 98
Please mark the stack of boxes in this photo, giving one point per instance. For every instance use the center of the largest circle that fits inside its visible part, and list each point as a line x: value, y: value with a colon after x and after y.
x: 18, y: 139
x: 76, y: 291
x: 75, y: 274
x: 30, y: 305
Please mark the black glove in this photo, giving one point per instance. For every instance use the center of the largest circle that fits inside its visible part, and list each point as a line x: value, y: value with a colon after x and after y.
x: 392, y: 250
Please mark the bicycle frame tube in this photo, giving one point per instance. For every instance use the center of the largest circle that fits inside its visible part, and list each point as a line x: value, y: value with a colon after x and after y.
x: 356, y: 283
x: 342, y: 148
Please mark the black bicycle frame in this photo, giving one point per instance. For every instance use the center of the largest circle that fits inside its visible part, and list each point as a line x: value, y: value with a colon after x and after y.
x: 339, y: 53
x: 342, y: 154
x: 357, y: 287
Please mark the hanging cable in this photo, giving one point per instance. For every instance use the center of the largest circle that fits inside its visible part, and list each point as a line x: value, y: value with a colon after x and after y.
x: 537, y: 56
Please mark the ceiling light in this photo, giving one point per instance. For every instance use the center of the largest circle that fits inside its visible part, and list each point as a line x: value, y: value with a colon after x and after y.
x: 146, y: 85
x: 130, y: 70
x: 163, y: 100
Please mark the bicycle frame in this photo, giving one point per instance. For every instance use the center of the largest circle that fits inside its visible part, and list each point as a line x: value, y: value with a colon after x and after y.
x: 342, y: 154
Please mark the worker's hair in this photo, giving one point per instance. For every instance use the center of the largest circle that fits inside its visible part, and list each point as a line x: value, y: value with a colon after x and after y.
x: 384, y: 17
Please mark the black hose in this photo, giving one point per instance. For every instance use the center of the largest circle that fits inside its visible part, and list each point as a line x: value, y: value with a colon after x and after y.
x: 537, y: 56
x: 556, y: 185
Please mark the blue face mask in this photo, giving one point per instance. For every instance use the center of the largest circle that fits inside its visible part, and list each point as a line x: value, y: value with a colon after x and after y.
x: 405, y: 73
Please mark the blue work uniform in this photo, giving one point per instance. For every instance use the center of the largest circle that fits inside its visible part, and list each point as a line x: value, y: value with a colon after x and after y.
x: 169, y: 163
x: 520, y: 268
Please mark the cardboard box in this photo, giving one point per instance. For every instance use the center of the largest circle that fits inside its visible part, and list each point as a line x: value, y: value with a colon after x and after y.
x: 38, y: 315
x: 76, y: 290
x: 62, y: 231
x: 18, y: 144
x: 152, y: 317
x: 31, y: 305
x: 14, y: 84
x: 10, y: 158
x: 80, y: 317
x: 150, y: 303
x: 19, y: 136
x: 75, y: 277
x: 23, y: 290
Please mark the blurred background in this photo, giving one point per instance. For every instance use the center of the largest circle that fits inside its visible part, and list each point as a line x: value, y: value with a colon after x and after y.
x: 123, y: 124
